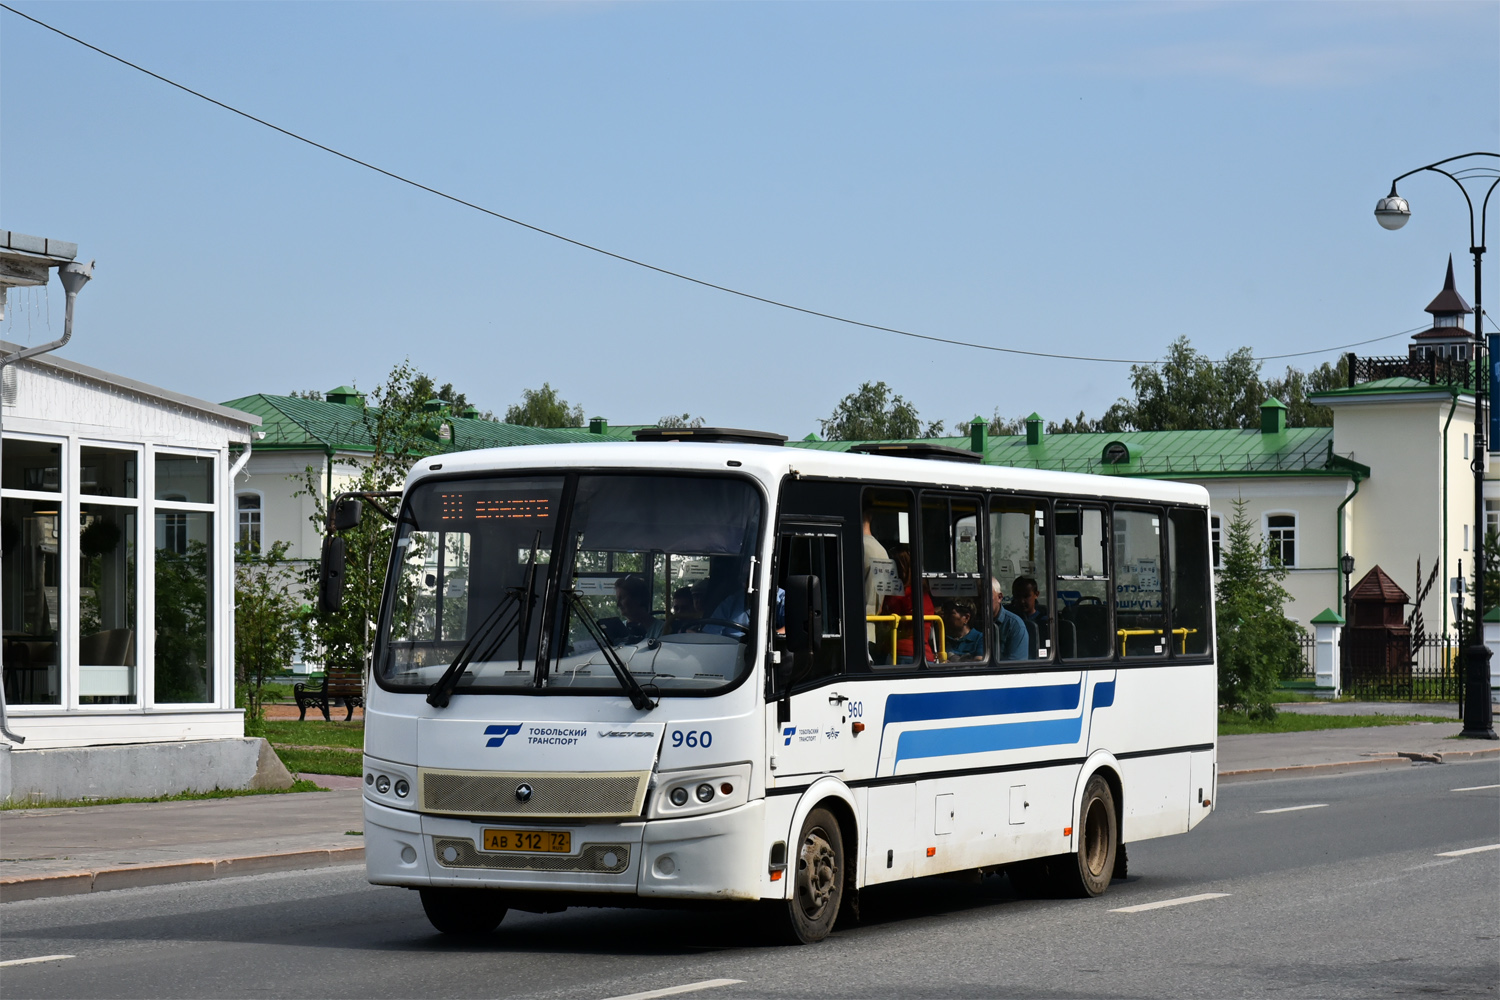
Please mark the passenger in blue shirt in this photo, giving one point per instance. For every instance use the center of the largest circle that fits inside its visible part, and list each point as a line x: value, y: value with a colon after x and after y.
x: 964, y: 644
x: 1009, y: 630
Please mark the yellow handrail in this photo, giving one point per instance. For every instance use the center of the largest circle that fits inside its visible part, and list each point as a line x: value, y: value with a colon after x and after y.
x: 898, y: 619
x: 1124, y: 633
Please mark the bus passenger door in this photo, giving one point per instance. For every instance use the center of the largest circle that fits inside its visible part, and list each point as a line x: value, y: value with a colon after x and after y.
x: 813, y: 731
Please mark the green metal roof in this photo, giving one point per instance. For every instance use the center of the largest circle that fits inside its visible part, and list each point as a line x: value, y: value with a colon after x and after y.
x: 294, y: 424
x: 1386, y: 387
x: 1300, y: 451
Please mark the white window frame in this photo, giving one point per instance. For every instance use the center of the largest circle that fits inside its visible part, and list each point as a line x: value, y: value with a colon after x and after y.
x: 144, y: 571
x: 1491, y: 516
x: 219, y: 589
x: 260, y: 518
x: 1265, y: 533
x: 1217, y: 541
x: 67, y: 604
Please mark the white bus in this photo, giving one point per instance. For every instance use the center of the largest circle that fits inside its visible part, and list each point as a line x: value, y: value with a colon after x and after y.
x: 632, y: 673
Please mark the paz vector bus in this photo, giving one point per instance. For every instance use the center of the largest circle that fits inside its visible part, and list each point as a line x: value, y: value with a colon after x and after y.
x: 708, y: 667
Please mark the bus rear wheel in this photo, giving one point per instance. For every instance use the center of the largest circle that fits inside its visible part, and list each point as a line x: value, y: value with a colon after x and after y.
x: 817, y: 889
x: 463, y: 912
x: 1089, y: 870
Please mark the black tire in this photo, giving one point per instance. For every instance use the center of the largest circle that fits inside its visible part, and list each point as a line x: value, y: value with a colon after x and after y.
x: 817, y: 876
x: 1032, y: 879
x: 463, y: 912
x: 1088, y: 871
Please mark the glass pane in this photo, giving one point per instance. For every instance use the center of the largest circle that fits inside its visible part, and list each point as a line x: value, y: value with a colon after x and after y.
x: 635, y: 524
x: 1140, y: 615
x: 30, y: 576
x: 814, y: 552
x: 1084, y: 593
x: 106, y: 472
x: 1190, y: 593
x: 185, y: 477
x: 32, y: 465
x: 952, y: 579
x: 1019, y: 574
x: 439, y: 600
x: 184, y: 606
x: 107, y: 633
x: 887, y: 516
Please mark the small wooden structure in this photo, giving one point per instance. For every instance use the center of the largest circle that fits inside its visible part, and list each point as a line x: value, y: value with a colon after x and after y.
x: 1377, y: 642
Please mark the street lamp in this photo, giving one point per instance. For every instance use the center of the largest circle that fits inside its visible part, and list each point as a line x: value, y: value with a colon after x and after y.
x: 1392, y: 212
x: 1347, y: 565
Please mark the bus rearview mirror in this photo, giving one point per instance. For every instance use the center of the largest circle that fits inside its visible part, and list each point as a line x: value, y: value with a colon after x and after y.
x: 346, y: 514
x: 331, y: 576
x: 804, y: 614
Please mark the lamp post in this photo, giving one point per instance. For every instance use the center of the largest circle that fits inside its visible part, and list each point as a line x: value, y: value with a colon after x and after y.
x: 1392, y: 212
x: 1347, y: 565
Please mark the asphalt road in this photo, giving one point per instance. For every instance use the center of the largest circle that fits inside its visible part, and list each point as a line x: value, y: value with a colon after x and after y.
x: 1352, y: 898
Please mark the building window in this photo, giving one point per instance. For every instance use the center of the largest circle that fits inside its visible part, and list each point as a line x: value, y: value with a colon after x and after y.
x: 1466, y: 538
x: 1281, y: 538
x: 1491, y: 518
x: 174, y: 528
x: 184, y: 529
x: 1215, y: 526
x: 248, y: 538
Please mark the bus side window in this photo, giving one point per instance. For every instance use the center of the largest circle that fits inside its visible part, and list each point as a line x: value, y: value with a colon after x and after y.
x: 1187, y: 552
x: 814, y: 552
x: 1140, y: 608
x: 1084, y: 594
x: 886, y: 559
x: 956, y: 599
x: 1019, y: 566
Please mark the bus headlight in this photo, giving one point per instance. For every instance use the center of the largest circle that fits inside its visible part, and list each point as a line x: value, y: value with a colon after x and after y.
x: 402, y: 788
x: 701, y: 790
x: 705, y: 793
x: 382, y: 784
x: 679, y: 796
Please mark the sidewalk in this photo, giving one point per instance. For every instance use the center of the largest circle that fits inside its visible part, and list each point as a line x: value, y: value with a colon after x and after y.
x: 55, y: 852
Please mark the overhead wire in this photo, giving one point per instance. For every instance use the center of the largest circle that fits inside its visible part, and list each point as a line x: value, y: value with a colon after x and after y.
x: 834, y: 317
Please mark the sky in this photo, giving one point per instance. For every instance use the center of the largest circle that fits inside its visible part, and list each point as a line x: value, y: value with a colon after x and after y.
x: 1091, y: 180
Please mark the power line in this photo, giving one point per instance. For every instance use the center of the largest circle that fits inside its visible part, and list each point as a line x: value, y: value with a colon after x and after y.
x: 622, y: 257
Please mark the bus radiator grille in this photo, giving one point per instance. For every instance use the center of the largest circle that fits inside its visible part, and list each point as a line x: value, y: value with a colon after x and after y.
x: 590, y: 859
x: 600, y: 795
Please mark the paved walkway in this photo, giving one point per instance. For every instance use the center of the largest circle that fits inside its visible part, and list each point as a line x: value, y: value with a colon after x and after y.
x: 52, y: 852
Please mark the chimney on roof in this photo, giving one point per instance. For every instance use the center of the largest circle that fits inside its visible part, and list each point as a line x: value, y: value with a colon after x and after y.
x: 344, y: 396
x: 979, y: 435
x: 1272, y: 416
x: 598, y: 425
x: 1034, y: 429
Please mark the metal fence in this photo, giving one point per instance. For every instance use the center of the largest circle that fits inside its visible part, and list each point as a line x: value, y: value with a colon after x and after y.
x: 1387, y: 668
x: 1309, y: 649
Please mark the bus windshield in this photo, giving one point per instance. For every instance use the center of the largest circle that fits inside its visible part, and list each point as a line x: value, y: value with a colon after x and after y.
x: 657, y: 575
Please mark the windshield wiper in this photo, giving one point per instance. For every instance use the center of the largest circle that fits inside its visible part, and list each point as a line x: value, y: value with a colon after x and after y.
x: 638, y: 697
x: 440, y: 693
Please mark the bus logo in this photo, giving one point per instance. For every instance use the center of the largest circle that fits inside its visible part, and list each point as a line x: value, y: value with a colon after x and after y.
x: 497, y: 734
x: 789, y: 732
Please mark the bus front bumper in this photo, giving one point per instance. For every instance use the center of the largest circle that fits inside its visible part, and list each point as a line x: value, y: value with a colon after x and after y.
x: 715, y: 856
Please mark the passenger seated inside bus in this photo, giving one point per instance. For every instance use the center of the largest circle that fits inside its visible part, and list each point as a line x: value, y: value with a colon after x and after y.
x: 965, y: 644
x: 1023, y: 603
x: 1009, y: 630
x: 636, y: 622
x: 901, y: 604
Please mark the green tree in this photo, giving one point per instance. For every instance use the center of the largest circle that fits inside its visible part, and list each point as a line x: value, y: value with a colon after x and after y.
x: 1257, y: 644
x: 874, y: 413
x: 1294, y: 388
x: 402, y: 433
x: 544, y: 408
x: 680, y: 420
x: 424, y: 388
x: 269, y: 622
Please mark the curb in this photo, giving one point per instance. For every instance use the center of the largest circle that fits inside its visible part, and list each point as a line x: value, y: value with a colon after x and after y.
x: 1399, y: 759
x: 71, y: 883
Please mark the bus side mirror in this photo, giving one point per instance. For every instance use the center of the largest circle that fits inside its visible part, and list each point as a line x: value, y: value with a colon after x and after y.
x: 331, y: 576
x: 346, y: 514
x: 804, y: 614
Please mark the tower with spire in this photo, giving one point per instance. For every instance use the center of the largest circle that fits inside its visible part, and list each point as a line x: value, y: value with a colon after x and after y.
x: 1447, y: 339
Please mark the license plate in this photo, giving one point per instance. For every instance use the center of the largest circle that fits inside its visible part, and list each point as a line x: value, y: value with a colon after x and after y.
x: 533, y: 841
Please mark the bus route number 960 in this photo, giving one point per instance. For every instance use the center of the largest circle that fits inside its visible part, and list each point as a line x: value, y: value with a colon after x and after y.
x: 692, y: 738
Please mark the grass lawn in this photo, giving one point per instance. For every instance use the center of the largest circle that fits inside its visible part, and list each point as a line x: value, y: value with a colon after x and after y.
x: 291, y: 733
x: 1235, y: 724
x: 217, y: 793
x: 300, y: 761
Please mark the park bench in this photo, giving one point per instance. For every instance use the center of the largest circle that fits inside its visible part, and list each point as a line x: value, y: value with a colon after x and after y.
x: 346, y: 684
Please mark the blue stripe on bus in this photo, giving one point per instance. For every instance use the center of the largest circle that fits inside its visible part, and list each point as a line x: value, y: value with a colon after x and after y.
x: 982, y: 739
x: 936, y: 705
x: 1104, y: 694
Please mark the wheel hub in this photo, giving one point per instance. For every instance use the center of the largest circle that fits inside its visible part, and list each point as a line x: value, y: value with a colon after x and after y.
x: 817, y: 873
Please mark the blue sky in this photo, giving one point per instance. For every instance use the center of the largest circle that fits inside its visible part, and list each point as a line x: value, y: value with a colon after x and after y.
x: 1079, y: 178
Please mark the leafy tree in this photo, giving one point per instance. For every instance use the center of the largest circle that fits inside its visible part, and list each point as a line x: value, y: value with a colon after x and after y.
x: 307, y: 394
x: 183, y: 624
x: 269, y: 621
x: 1257, y: 644
x: 1294, y: 388
x: 402, y: 433
x: 874, y: 413
x: 544, y: 408
x: 680, y: 420
x: 424, y: 388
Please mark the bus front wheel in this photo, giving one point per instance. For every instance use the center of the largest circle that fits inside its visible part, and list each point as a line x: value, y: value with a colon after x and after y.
x: 817, y: 881
x: 463, y: 912
x: 1087, y: 873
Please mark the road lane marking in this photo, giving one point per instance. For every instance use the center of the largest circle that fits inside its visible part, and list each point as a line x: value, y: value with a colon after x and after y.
x: 1292, y: 809
x: 672, y: 991
x: 33, y: 961
x: 1468, y: 850
x: 1474, y: 788
x: 1169, y: 902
